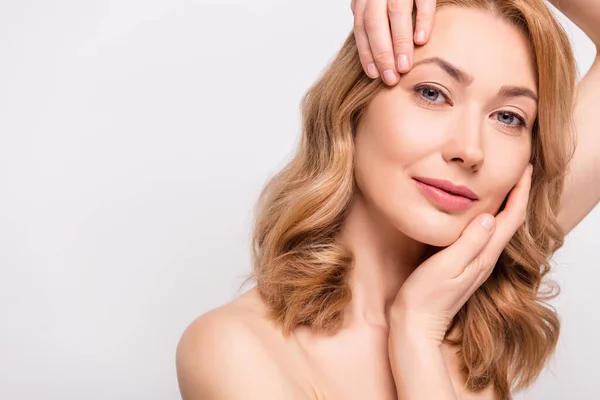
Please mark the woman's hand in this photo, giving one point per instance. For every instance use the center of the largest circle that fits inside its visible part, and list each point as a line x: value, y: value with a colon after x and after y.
x: 384, y: 34
x: 438, y: 288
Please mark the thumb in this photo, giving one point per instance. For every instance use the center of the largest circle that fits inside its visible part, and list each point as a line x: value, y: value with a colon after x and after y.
x: 456, y: 257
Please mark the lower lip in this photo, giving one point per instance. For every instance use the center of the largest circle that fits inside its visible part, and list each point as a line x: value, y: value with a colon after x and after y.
x: 444, y: 200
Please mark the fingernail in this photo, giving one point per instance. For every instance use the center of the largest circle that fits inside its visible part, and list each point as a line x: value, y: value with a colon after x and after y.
x: 420, y: 36
x: 372, y: 71
x: 488, y: 222
x: 403, y: 62
x: 389, y: 76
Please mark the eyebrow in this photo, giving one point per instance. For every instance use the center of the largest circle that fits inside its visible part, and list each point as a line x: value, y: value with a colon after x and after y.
x: 465, y: 79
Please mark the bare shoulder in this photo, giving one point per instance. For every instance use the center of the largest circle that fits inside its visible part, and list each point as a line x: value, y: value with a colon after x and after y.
x: 224, y: 354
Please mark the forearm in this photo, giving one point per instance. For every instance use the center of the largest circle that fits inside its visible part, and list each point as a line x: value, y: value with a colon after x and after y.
x: 581, y: 192
x: 417, y: 364
x: 583, y: 13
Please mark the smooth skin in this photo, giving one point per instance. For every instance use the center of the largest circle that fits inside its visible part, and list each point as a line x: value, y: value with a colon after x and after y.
x: 384, y: 35
x: 234, y: 352
x: 437, y: 290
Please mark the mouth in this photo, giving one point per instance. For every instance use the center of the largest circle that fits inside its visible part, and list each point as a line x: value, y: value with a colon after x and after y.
x: 445, y: 194
x: 449, y: 187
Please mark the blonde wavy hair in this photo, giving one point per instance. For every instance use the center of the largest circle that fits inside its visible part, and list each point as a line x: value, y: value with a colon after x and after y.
x: 507, y: 331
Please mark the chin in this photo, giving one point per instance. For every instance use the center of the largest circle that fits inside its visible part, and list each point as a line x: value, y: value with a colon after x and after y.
x: 441, y: 238
x: 440, y: 230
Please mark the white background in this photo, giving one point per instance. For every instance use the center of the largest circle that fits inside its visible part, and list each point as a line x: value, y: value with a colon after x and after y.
x: 135, y: 136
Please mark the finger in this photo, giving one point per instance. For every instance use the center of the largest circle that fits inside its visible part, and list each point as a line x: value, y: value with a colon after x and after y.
x: 512, y: 217
x: 507, y: 223
x: 467, y: 247
x: 378, y: 31
x: 362, y: 40
x: 400, y: 15
x: 424, y: 20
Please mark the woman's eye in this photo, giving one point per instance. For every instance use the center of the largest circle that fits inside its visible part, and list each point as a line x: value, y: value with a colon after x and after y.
x: 508, y: 118
x: 431, y: 94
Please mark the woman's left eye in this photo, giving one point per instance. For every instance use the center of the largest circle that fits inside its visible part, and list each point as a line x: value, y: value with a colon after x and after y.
x: 508, y: 118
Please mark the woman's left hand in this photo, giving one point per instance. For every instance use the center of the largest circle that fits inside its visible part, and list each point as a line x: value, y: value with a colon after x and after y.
x: 432, y: 295
x: 384, y: 35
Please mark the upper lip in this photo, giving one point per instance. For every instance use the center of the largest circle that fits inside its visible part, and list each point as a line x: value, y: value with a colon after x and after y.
x: 448, y: 186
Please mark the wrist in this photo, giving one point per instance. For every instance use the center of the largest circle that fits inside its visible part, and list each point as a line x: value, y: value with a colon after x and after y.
x: 417, y: 328
x: 417, y: 363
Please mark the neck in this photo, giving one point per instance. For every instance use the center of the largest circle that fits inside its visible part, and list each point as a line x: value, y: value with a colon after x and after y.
x: 383, y: 260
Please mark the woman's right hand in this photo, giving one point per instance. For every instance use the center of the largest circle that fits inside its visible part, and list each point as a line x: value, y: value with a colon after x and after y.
x: 432, y: 295
x: 384, y: 34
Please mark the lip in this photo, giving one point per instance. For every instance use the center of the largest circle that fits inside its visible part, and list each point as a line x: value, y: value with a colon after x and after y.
x: 446, y: 195
x: 449, y: 187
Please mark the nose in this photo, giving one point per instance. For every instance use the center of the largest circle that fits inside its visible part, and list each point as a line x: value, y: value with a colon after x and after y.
x: 464, y: 144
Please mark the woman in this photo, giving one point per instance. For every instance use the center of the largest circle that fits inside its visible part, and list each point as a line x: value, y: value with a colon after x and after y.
x: 400, y: 253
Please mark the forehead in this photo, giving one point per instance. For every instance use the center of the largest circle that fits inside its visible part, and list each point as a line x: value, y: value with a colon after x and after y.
x: 481, y: 44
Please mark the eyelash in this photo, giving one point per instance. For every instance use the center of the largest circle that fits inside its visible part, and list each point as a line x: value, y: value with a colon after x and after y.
x: 419, y: 88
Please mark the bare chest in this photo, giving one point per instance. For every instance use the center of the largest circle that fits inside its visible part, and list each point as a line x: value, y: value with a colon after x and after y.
x: 356, y: 366
x: 359, y: 378
x: 349, y: 367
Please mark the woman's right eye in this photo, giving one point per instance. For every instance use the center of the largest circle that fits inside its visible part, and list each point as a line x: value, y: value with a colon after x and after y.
x: 431, y: 94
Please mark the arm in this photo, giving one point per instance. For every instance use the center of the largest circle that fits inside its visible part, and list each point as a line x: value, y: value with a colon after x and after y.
x: 436, y: 290
x: 582, y: 186
x: 421, y: 368
x: 417, y: 365
x: 219, y: 358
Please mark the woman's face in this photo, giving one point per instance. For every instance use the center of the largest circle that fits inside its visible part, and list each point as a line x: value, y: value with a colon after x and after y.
x: 463, y: 116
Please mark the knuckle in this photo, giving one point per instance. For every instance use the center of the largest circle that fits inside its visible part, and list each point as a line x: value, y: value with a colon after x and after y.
x: 401, y: 40
x: 358, y: 14
x: 484, y: 261
x: 365, y: 55
x: 457, y: 269
x: 423, y: 19
x: 473, y: 243
x: 487, y: 274
x: 383, y: 57
x: 370, y: 21
x: 479, y: 267
x: 359, y: 23
x: 486, y: 270
x: 396, y: 7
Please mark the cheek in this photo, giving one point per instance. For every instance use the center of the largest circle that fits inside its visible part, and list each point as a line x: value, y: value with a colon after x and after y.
x: 503, y: 176
x: 396, y: 132
x: 390, y: 139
